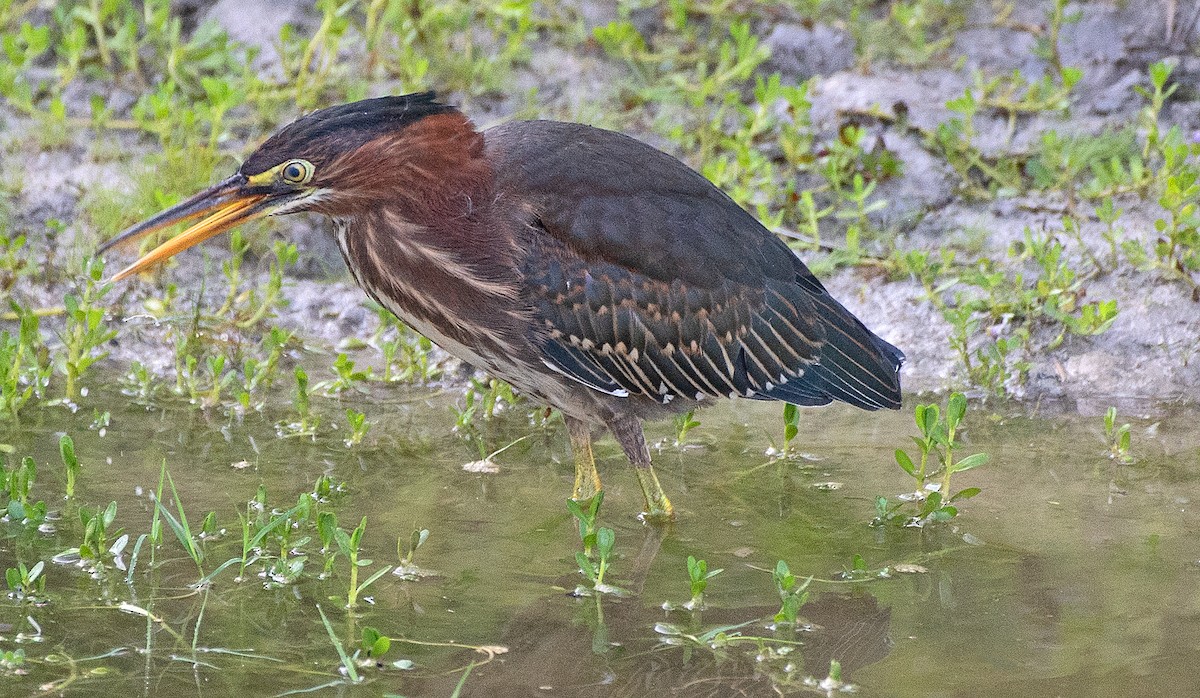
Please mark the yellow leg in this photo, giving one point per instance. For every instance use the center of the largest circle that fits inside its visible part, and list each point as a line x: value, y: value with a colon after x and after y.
x: 587, y: 478
x: 658, y: 507
x: 628, y: 433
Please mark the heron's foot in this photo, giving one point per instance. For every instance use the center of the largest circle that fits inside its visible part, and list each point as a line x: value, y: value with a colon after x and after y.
x: 658, y: 507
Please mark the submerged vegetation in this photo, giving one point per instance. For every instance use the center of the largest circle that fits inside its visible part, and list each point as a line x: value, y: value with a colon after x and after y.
x: 1033, y: 243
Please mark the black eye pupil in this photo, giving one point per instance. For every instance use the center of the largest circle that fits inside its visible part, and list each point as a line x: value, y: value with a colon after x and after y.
x: 293, y: 171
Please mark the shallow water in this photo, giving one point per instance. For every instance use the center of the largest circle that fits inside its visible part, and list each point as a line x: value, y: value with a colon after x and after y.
x: 1069, y: 575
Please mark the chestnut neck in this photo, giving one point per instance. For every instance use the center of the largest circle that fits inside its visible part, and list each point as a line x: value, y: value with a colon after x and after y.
x: 434, y: 176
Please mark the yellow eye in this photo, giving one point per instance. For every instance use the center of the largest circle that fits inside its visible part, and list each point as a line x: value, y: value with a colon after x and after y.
x: 297, y: 172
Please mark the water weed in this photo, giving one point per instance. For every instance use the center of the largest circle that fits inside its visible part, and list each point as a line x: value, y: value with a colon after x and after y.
x: 793, y: 593
x: 698, y: 576
x: 26, y: 584
x: 350, y: 544
x: 1117, y: 437
x: 24, y: 364
x: 935, y: 457
x: 21, y: 508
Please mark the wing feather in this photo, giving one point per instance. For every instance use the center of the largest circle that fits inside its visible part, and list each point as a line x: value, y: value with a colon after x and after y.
x: 647, y: 280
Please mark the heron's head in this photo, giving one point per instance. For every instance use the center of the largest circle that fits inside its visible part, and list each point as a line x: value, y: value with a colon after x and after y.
x: 338, y: 161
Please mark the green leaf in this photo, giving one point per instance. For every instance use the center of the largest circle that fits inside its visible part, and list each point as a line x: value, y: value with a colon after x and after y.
x: 585, y: 565
x: 945, y: 513
x: 791, y: 421
x: 343, y: 541
x: 971, y: 461
x: 932, y: 414
x: 965, y: 494
x: 956, y: 409
x: 605, y: 539
x: 905, y: 462
x: 66, y: 447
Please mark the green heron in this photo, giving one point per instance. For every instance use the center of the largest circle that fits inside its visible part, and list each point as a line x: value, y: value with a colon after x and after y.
x: 594, y: 273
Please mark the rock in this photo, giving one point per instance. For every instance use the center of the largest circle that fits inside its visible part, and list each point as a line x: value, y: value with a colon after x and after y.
x: 925, y: 183
x: 1118, y: 96
x: 997, y: 50
x: 800, y: 52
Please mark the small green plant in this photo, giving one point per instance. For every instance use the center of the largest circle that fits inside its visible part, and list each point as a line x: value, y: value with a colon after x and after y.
x: 791, y: 425
x: 307, y: 422
x: 359, y: 426
x: 698, y: 575
x: 66, y: 448
x: 25, y: 583
x: 407, y: 568
x: 587, y: 519
x: 406, y: 354
x: 85, y: 330
x: 598, y: 543
x: 1118, y: 438
x: 19, y: 485
x: 97, y: 529
x: 349, y: 545
x: 793, y: 594
x: 290, y: 559
x: 683, y: 424
x: 255, y: 530
x: 938, y: 439
x: 1156, y: 96
x: 327, y: 532
x: 374, y: 644
x: 12, y: 660
x: 24, y: 364
x: 595, y: 568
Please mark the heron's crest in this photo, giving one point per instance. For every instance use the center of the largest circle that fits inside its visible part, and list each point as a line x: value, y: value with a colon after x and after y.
x: 328, y: 133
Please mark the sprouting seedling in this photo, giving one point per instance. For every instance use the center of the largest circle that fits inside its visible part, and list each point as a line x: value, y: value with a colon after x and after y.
x: 416, y: 540
x: 586, y: 519
x: 407, y: 569
x: 308, y: 422
x: 359, y: 426
x: 791, y: 425
x: 595, y: 569
x: 19, y: 485
x: 939, y: 437
x: 1118, y: 437
x: 26, y: 583
x: 698, y: 575
x: 683, y: 424
x: 349, y: 544
x: 66, y: 447
x: 792, y: 593
x: 374, y: 644
x: 347, y: 377
x: 327, y: 531
x: 97, y: 528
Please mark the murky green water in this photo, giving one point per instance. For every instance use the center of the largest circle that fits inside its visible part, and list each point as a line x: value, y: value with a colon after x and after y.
x: 1069, y: 575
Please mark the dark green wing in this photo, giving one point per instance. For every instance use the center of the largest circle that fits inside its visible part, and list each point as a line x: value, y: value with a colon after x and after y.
x: 645, y: 279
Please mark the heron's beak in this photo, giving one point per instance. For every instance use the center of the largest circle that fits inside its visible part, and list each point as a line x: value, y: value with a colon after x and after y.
x: 226, y: 205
